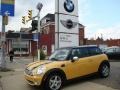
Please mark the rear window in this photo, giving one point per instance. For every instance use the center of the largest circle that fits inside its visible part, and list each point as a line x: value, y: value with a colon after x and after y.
x: 94, y: 51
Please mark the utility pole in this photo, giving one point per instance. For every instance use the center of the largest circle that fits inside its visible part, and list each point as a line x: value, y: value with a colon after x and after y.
x: 7, y: 9
x: 39, y: 7
x: 38, y: 32
x: 3, y: 39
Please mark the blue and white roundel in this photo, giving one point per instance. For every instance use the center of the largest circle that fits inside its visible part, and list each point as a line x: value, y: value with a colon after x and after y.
x: 69, y: 6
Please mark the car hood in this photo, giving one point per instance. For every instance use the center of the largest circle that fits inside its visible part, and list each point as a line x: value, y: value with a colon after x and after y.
x: 38, y: 63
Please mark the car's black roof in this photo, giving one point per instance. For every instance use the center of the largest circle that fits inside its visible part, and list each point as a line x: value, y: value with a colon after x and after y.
x: 86, y: 46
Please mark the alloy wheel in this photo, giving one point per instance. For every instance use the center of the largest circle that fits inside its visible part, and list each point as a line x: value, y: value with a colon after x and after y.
x: 55, y: 82
x: 105, y: 70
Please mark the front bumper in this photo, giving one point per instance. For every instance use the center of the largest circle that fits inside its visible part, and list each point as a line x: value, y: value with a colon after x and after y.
x: 33, y: 80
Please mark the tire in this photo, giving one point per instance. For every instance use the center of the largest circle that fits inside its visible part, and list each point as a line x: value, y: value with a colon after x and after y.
x: 54, y: 81
x: 104, y: 70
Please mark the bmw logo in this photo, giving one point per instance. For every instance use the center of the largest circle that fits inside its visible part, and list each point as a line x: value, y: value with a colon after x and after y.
x: 69, y: 6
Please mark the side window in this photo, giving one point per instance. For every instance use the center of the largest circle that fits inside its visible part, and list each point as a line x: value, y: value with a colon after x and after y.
x: 75, y: 53
x: 110, y: 50
x: 84, y: 52
x: 80, y: 52
x: 117, y: 50
x: 94, y: 51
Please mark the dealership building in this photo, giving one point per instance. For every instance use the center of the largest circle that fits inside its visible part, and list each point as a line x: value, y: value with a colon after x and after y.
x: 25, y: 43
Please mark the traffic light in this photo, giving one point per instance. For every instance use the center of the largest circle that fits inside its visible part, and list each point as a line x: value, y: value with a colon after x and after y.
x: 34, y: 24
x: 23, y: 19
x: 30, y: 14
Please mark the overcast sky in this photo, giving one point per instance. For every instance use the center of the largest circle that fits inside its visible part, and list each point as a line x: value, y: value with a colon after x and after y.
x: 100, y: 17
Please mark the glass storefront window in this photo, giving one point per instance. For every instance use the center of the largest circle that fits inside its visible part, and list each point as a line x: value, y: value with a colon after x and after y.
x: 20, y: 47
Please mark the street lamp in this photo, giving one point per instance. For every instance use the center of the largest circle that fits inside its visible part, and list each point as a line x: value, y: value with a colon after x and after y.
x: 39, y: 7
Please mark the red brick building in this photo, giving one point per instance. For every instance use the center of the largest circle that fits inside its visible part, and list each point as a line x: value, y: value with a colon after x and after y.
x: 98, y: 41
x: 101, y: 41
x: 113, y: 42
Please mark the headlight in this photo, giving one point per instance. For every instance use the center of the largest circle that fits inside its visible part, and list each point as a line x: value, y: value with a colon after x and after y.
x: 41, y: 70
x: 28, y: 71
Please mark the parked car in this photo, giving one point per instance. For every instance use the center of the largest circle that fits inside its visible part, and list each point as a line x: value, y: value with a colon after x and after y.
x: 65, y: 64
x: 113, y: 52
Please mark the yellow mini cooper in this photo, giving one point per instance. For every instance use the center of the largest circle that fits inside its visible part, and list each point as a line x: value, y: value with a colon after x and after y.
x: 65, y: 64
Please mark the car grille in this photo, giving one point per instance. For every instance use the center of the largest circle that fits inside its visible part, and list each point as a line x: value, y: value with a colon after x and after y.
x: 29, y: 72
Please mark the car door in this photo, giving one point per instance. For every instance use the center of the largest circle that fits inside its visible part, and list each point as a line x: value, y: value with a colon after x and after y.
x: 80, y: 66
x: 85, y: 63
x: 96, y: 56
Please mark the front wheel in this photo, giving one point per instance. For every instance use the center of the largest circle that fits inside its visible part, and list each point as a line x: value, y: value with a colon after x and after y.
x: 104, y: 70
x: 53, y: 82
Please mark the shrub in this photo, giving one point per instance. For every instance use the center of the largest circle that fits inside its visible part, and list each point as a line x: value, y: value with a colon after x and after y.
x: 42, y: 55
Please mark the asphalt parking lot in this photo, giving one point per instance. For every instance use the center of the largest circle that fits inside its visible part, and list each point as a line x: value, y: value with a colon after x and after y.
x: 14, y: 80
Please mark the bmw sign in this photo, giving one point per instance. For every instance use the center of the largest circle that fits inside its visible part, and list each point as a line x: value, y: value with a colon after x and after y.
x: 66, y: 23
x: 69, y: 6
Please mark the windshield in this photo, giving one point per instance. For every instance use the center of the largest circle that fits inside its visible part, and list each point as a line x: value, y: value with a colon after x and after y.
x: 60, y: 54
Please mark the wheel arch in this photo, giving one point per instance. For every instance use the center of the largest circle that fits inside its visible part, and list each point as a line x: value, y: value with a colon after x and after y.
x: 102, y: 75
x: 104, y: 62
x: 55, y: 70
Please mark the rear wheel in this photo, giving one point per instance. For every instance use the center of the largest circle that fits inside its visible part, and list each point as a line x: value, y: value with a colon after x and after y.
x: 104, y: 70
x: 53, y: 82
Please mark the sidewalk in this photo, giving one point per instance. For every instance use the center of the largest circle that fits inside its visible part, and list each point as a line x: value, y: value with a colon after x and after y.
x: 14, y: 80
x: 88, y: 86
x: 17, y: 66
x: 1, y: 85
x: 19, y: 62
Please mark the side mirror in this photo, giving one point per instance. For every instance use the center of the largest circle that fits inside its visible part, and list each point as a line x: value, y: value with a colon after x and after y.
x: 74, y: 59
